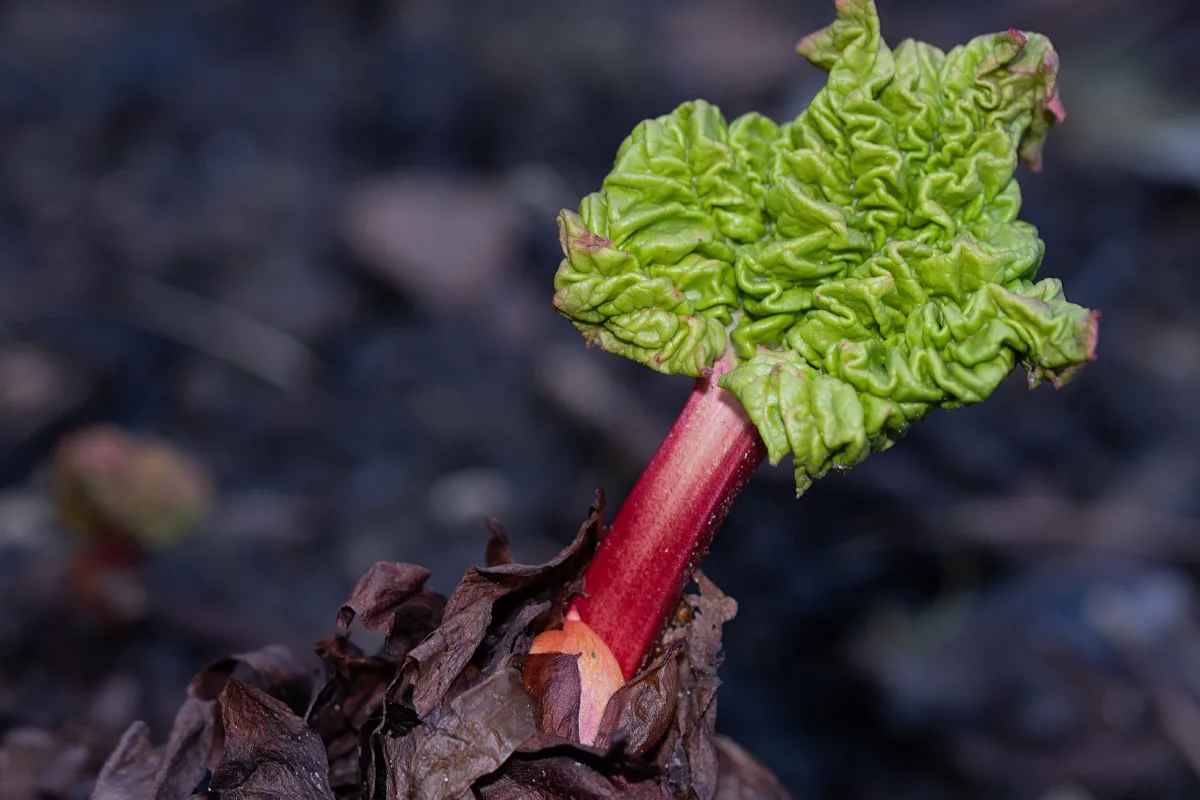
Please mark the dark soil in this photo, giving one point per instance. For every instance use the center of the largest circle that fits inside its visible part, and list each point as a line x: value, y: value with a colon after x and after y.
x: 311, y: 244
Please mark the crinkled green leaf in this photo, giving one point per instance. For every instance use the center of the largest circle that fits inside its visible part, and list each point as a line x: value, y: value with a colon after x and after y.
x: 861, y: 264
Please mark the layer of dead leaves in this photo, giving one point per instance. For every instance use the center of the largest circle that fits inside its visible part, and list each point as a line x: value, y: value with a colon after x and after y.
x: 452, y: 706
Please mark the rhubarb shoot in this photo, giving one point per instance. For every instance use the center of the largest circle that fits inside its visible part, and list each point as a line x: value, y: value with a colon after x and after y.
x: 667, y: 522
x: 839, y: 276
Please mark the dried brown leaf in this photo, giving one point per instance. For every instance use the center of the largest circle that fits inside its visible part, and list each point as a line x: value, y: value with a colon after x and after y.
x: 642, y: 709
x: 561, y: 777
x: 274, y: 669
x: 689, y: 755
x: 354, y: 692
x: 514, y: 639
x: 484, y: 726
x: 356, y: 682
x: 192, y: 749
x: 433, y: 665
x: 195, y: 742
x: 131, y: 769
x: 413, y: 621
x: 711, y: 609
x: 380, y: 739
x: 269, y: 752
x: 548, y: 766
x: 380, y: 593
x: 552, y: 680
x: 498, y: 550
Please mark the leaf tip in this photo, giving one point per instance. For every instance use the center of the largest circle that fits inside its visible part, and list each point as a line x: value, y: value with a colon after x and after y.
x: 574, y: 235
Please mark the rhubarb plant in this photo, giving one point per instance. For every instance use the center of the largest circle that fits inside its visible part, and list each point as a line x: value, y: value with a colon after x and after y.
x: 828, y: 280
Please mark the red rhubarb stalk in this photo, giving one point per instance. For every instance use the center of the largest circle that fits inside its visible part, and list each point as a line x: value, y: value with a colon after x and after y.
x: 667, y: 522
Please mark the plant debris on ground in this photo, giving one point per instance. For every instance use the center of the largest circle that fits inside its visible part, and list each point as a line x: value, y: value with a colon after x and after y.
x: 452, y: 705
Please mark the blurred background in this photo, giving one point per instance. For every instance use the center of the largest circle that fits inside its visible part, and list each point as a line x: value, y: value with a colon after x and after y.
x: 302, y: 253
